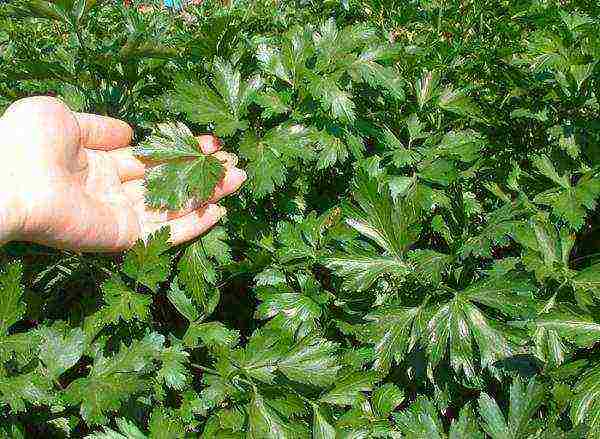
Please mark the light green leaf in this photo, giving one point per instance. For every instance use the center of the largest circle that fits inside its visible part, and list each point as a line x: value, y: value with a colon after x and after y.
x: 332, y: 150
x: 199, y: 277
x: 546, y: 168
x: 147, y: 262
x: 265, y: 423
x: 312, y: 361
x: 12, y: 308
x: 466, y: 426
x: 122, y: 302
x: 394, y: 332
x: 349, y: 389
x: 212, y: 334
x: 429, y: 265
x: 588, y: 280
x: 420, y: 421
x: 113, y: 380
x: 333, y: 99
x: 60, y: 351
x: 270, y: 156
x: 173, y: 372
x: 585, y: 406
x: 386, y: 398
x: 127, y: 430
x: 494, y: 422
x: 321, y: 428
x: 271, y: 61
x: 361, y: 270
x: 575, y: 328
x: 180, y: 301
x: 427, y: 86
x: 186, y: 97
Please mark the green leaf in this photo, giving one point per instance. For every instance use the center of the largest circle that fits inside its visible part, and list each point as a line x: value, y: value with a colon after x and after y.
x: 270, y: 156
x: 185, y: 177
x: 588, y: 280
x: 499, y: 225
x: 333, y: 99
x: 270, y: 277
x: 401, y: 156
x: 127, y: 430
x: 147, y: 262
x: 265, y: 423
x: 349, y: 389
x: 393, y: 226
x: 457, y: 101
x: 113, y: 380
x: 524, y: 402
x: 429, y: 265
x: 575, y: 328
x: 173, y: 372
x: 60, y: 351
x: 183, y: 304
x: 585, y: 406
x: 386, y: 399
x: 312, y: 361
x: 271, y: 61
x: 463, y: 145
x: 366, y: 69
x: 394, y: 332
x: 572, y: 202
x: 164, y: 424
x: 272, y: 103
x: 420, y: 421
x: 186, y: 98
x: 212, y: 334
x: 494, y: 422
x: 360, y: 271
x: 546, y: 168
x: 511, y: 296
x: 466, y: 426
x: 294, y: 310
x: 321, y: 428
x: 459, y: 324
x: 122, y: 302
x: 332, y: 151
x: 33, y: 388
x: 427, y: 87
x: 12, y: 308
x: 198, y: 273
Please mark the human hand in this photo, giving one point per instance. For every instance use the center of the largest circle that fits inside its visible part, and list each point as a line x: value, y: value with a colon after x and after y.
x: 69, y: 180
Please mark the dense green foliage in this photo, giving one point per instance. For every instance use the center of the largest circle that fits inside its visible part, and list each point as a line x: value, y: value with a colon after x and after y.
x: 415, y: 253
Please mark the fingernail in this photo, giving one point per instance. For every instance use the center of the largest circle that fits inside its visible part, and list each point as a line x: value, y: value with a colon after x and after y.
x: 208, y: 143
x: 241, y: 174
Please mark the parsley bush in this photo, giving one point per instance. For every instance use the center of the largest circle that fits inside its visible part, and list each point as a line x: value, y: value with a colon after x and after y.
x: 414, y: 253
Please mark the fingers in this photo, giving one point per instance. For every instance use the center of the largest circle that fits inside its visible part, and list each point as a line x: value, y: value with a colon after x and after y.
x: 229, y: 160
x: 129, y: 167
x: 234, y: 178
x: 209, y: 144
x: 195, y: 223
x: 102, y: 132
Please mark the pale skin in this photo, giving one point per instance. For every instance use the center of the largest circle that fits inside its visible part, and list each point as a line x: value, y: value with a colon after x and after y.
x: 71, y: 181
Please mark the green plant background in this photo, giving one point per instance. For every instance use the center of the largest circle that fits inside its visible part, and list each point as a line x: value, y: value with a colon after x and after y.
x: 415, y: 253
